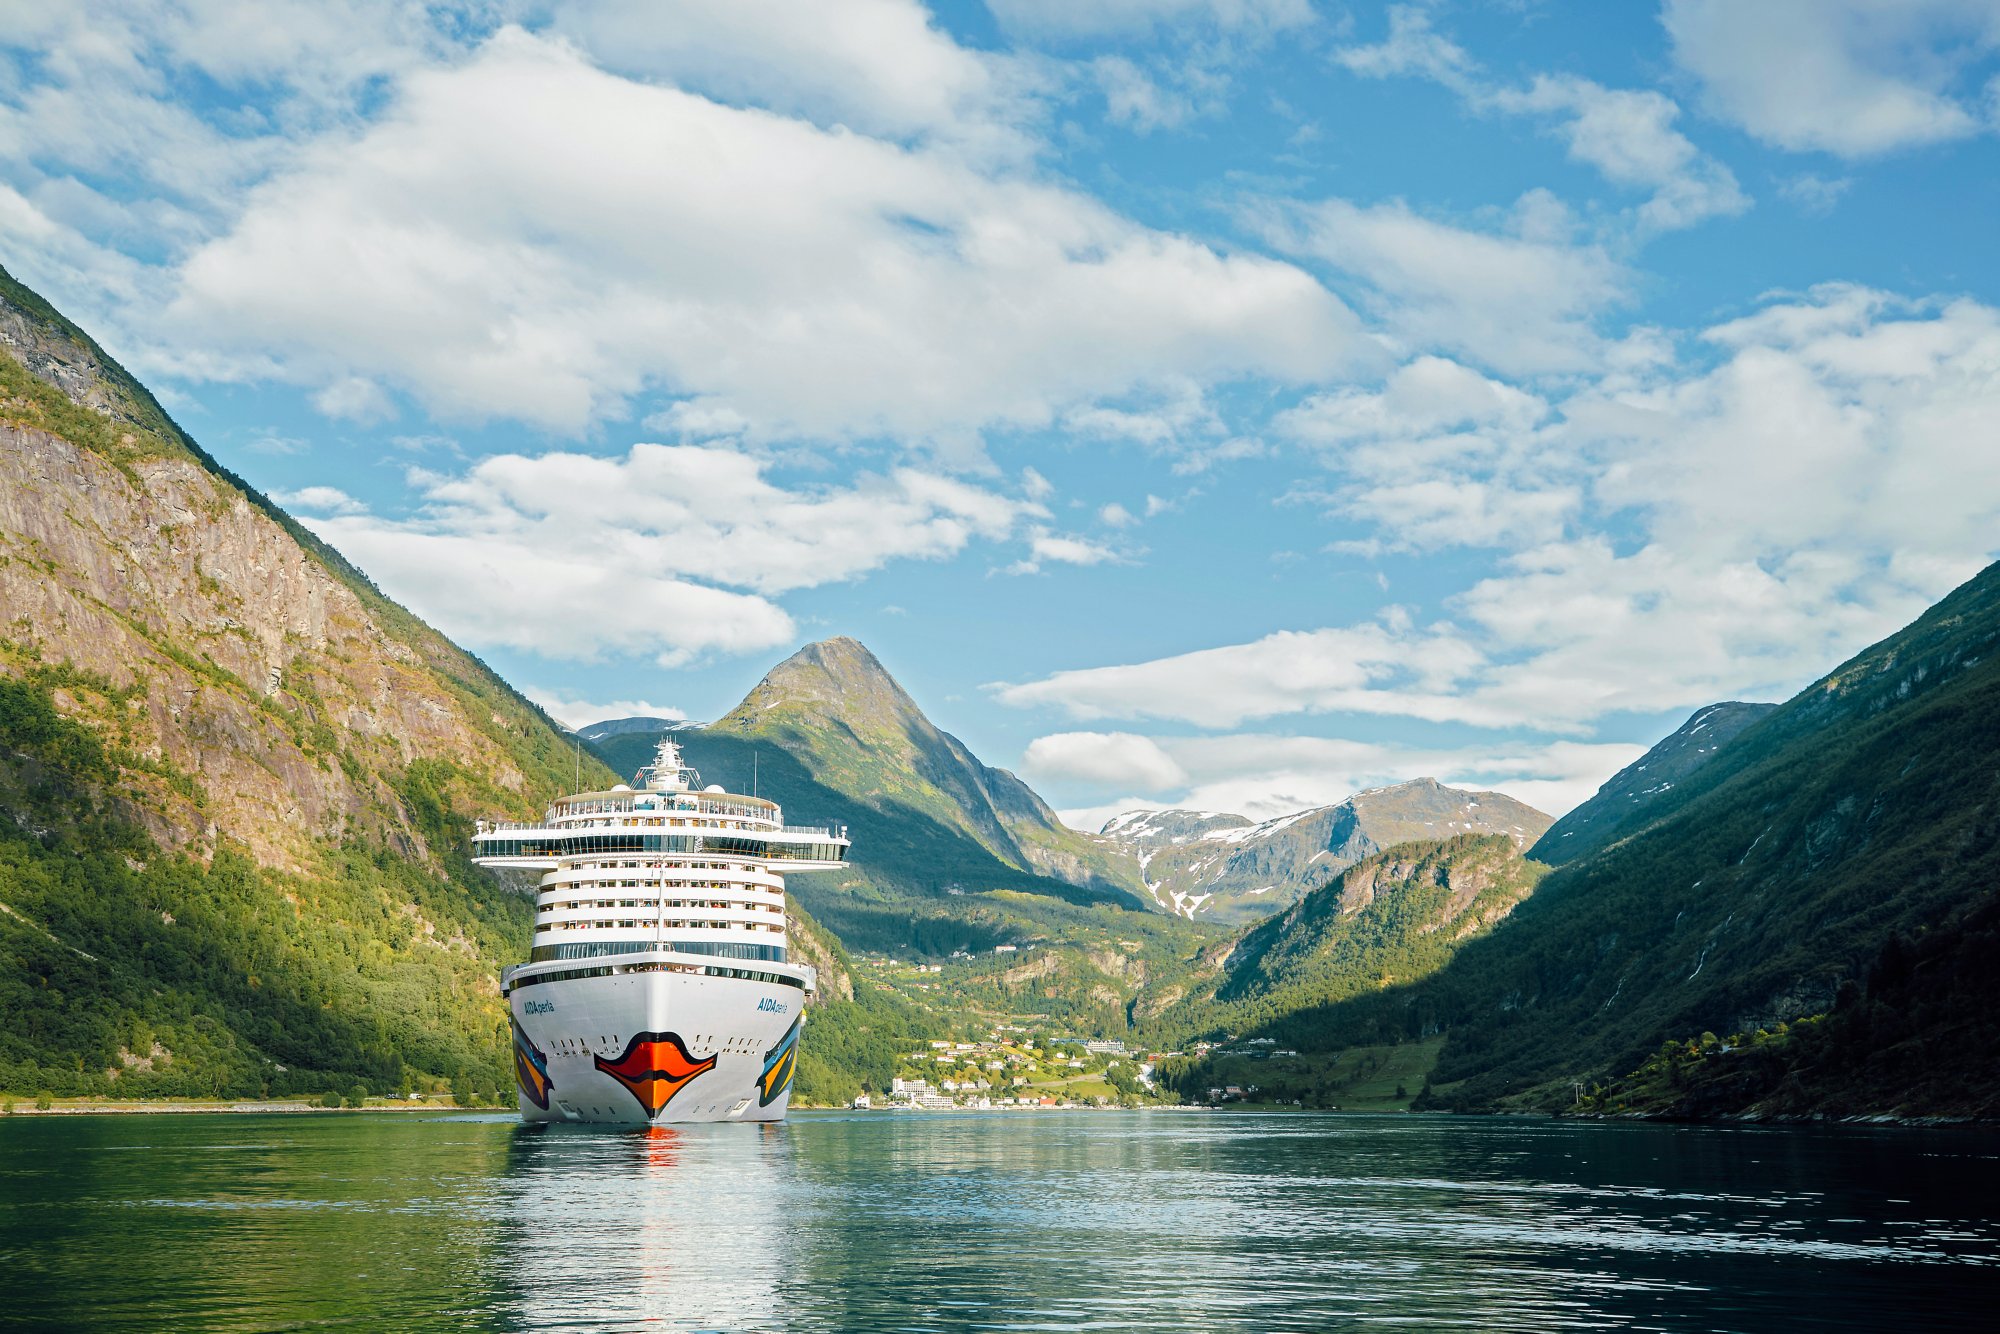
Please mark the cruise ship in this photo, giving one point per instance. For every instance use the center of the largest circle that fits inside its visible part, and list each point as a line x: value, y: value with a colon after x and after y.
x: 658, y: 988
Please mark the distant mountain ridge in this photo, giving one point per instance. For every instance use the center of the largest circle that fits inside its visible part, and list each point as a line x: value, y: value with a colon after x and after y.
x: 611, y: 727
x: 1224, y: 867
x: 1624, y: 800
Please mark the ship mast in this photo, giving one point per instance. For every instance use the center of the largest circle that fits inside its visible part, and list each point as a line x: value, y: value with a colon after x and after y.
x: 669, y: 772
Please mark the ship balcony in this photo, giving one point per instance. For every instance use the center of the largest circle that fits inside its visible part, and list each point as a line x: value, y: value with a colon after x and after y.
x: 753, y: 916
x: 707, y: 927
x: 722, y: 910
x: 835, y: 833
x: 673, y: 877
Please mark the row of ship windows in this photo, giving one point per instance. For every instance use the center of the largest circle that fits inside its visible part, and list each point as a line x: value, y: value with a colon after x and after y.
x: 750, y: 974
x: 660, y: 866
x: 735, y: 885
x: 625, y: 806
x: 726, y: 949
x: 556, y: 904
x: 607, y: 924
x: 653, y: 822
x: 564, y: 845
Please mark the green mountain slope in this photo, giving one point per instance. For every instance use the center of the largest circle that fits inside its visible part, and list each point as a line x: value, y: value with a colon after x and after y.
x: 1866, y: 808
x: 830, y: 735
x: 1917, y: 1037
x: 1629, y: 797
x: 858, y: 1030
x: 1392, y: 918
x: 234, y: 778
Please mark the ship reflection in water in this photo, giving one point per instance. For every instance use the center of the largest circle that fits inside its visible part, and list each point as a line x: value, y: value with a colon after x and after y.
x: 680, y: 1226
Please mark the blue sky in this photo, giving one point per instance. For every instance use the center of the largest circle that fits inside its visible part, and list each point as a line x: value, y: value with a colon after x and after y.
x: 1229, y: 403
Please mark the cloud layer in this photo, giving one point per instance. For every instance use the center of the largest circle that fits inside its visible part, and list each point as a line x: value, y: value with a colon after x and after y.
x: 853, y: 262
x: 1673, y: 535
x: 1853, y: 77
x: 490, y: 250
x: 670, y: 551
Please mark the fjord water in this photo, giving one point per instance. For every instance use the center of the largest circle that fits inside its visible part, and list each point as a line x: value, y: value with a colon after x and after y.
x: 1132, y: 1221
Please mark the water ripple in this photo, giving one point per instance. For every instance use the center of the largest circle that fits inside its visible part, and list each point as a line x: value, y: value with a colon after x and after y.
x: 1004, y: 1223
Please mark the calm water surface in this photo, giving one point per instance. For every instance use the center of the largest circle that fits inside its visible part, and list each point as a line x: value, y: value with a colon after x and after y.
x: 1135, y: 1221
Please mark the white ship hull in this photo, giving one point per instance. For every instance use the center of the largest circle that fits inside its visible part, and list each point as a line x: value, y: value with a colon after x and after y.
x: 658, y: 987
x: 655, y: 1048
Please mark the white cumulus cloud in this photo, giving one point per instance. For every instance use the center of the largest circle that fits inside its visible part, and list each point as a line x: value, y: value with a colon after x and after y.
x: 881, y: 67
x: 1100, y: 18
x: 1263, y: 775
x: 1852, y: 77
x: 1106, y: 759
x: 574, y: 710
x: 524, y: 235
x: 1521, y: 304
x: 1628, y: 135
x: 669, y: 550
x: 319, y: 500
x: 1672, y: 535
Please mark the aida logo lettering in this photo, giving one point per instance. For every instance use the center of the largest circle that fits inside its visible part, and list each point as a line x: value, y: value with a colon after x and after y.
x: 539, y: 1007
x: 775, y: 1007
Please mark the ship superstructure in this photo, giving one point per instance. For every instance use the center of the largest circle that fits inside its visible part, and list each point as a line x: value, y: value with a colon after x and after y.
x: 659, y: 986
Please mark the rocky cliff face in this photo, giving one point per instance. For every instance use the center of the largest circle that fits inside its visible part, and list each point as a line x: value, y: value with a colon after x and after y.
x: 298, y: 756
x: 1622, y: 804
x: 1226, y: 868
x: 266, y: 697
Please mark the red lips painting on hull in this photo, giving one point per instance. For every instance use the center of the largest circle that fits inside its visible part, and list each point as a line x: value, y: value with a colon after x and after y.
x: 654, y: 1067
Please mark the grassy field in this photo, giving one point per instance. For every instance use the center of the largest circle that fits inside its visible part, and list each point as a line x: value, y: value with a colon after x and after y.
x: 1357, y: 1079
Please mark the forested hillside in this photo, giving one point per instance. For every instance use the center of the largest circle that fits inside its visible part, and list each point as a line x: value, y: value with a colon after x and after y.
x: 1918, y: 1035
x: 1389, y: 920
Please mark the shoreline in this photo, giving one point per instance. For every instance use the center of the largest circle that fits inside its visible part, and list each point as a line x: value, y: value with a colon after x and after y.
x: 177, y: 1107
x: 238, y: 1107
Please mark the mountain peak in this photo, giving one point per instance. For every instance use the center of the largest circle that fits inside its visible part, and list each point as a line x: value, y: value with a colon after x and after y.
x: 835, y: 677
x: 840, y: 657
x: 835, y: 711
x: 1408, y: 785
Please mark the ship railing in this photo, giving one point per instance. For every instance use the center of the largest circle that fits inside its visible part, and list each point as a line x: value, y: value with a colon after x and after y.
x: 824, y: 833
x: 500, y: 826
x: 753, y: 809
